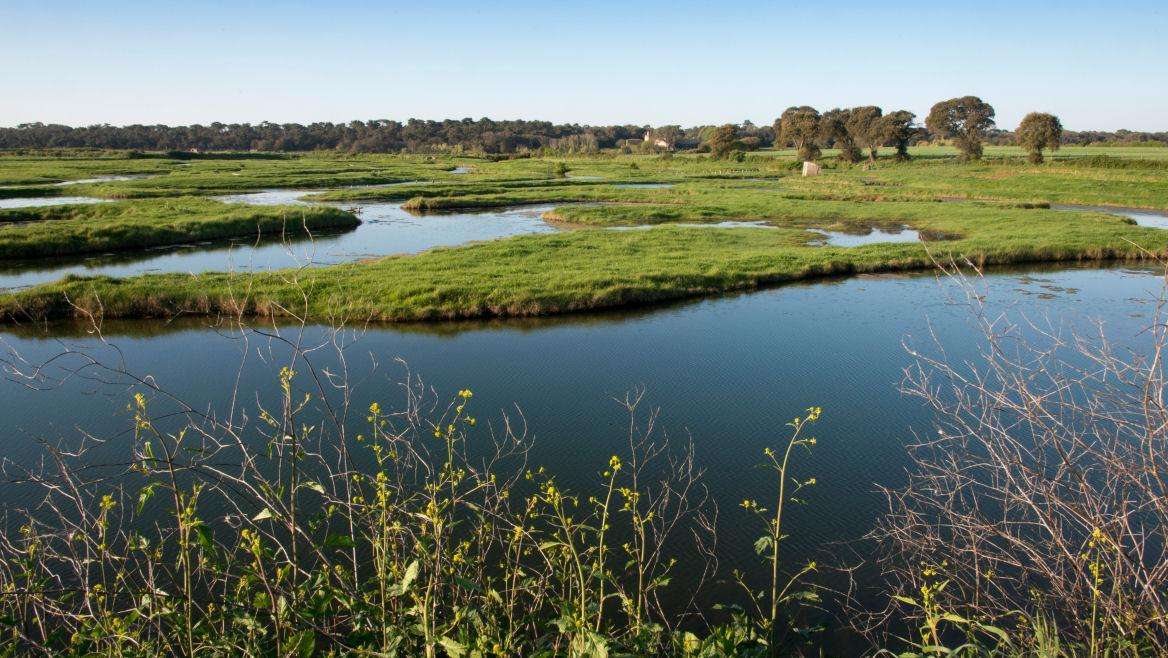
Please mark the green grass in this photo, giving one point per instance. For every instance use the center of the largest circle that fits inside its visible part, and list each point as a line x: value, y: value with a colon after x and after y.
x: 79, y: 229
x: 211, y: 175
x: 1139, y: 183
x: 596, y: 268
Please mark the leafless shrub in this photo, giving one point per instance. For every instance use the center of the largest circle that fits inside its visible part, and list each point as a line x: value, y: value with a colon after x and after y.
x: 1042, y: 490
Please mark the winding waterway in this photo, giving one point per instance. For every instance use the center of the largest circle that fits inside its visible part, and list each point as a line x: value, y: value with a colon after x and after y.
x: 726, y: 373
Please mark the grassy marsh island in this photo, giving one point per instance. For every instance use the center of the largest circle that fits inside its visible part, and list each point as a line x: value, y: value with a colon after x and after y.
x: 50, y: 231
x: 990, y: 212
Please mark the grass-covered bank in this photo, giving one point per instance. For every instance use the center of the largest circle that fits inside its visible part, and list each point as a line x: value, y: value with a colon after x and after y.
x: 125, y: 226
x: 594, y: 269
x: 991, y: 212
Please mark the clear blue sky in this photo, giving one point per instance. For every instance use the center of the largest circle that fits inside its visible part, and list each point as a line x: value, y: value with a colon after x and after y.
x: 1099, y: 65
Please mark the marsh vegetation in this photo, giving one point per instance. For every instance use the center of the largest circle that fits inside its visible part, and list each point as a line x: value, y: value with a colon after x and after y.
x: 312, y: 519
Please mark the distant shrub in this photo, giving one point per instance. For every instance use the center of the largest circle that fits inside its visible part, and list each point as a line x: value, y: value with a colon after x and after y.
x: 1112, y: 162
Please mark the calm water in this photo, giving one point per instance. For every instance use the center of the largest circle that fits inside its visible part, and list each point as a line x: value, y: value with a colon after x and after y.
x: 107, y: 179
x: 874, y: 236
x: 1143, y: 217
x: 725, y: 372
x: 39, y: 201
x: 730, y: 223
x: 385, y: 229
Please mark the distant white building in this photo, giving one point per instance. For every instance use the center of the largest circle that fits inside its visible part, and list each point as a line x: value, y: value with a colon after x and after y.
x: 655, y: 141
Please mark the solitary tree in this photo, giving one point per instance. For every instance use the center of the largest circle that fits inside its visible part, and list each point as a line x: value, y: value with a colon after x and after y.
x: 1038, y: 131
x: 866, y: 127
x: 723, y: 140
x: 964, y: 120
x: 896, y: 129
x: 833, y: 127
x: 799, y: 126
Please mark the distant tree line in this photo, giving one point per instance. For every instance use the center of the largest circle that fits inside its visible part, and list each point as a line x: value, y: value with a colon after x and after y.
x: 378, y: 136
x: 966, y: 122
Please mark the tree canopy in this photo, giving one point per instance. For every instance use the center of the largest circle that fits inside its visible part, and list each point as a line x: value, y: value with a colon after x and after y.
x: 833, y: 128
x: 866, y: 128
x: 374, y: 136
x: 723, y: 139
x: 1039, y: 131
x: 896, y: 129
x: 800, y: 127
x: 965, y: 120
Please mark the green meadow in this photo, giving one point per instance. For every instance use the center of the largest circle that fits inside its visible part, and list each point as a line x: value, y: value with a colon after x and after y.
x: 995, y: 211
x: 50, y: 231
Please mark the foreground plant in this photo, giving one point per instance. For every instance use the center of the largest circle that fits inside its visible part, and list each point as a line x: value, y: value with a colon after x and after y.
x: 783, y: 587
x: 1041, y: 499
x: 276, y: 532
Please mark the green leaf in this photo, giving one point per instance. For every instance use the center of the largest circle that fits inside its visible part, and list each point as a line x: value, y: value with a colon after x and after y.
x: 408, y: 579
x: 588, y: 645
x: 467, y: 584
x: 315, y: 486
x: 263, y: 514
x: 764, y: 544
x: 453, y: 649
x: 908, y: 600
x: 204, y: 535
x: 302, y: 644
x: 145, y: 494
x: 339, y: 541
x: 994, y: 630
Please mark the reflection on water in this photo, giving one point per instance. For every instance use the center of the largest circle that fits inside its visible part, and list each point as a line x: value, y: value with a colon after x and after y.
x: 39, y: 201
x: 107, y: 179
x: 873, y: 236
x: 385, y: 229
x: 723, y: 224
x: 1142, y: 217
x: 268, y: 197
x: 726, y: 372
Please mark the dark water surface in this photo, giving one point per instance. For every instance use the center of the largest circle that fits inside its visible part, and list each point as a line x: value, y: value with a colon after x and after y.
x: 726, y: 373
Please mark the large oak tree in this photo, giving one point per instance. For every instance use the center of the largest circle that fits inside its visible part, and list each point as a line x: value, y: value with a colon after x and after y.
x: 866, y: 127
x: 833, y: 127
x: 799, y: 126
x: 964, y: 120
x: 896, y: 129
